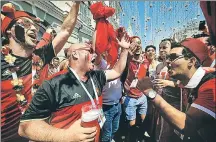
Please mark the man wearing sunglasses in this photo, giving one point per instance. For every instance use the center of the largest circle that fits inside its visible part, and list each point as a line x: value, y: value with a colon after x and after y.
x: 197, y: 124
x: 21, y: 62
x: 55, y: 111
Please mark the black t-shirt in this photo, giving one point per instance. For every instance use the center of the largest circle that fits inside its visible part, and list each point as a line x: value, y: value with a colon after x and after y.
x: 46, y: 54
x: 10, y: 112
x: 61, y: 98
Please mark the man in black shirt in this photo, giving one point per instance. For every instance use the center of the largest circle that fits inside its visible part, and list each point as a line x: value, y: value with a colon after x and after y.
x: 20, y: 62
x: 56, y: 107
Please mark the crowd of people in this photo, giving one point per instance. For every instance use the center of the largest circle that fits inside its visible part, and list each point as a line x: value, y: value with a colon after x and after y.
x: 144, y: 97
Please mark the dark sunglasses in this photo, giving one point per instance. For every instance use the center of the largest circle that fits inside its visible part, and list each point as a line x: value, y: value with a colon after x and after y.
x: 138, y: 42
x: 173, y: 57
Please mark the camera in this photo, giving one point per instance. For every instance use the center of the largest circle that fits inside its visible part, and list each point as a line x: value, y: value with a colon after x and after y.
x: 20, y: 32
x: 202, y: 25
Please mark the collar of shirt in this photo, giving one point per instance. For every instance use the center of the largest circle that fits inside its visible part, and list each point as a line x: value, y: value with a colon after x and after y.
x: 196, y: 78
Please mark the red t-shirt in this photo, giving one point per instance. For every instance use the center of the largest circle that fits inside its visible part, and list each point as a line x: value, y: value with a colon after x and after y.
x: 136, y: 70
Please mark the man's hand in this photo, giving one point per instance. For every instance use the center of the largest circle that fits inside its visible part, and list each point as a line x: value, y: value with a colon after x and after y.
x: 160, y: 83
x: 66, y: 28
x: 125, y: 42
x: 77, y: 133
x: 133, y: 47
x: 144, y: 84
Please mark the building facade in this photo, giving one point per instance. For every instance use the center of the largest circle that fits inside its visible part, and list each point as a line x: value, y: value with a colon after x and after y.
x: 54, y: 13
x: 187, y: 30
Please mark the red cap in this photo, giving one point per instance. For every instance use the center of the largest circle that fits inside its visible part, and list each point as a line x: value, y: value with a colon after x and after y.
x: 197, y: 47
x: 10, y: 14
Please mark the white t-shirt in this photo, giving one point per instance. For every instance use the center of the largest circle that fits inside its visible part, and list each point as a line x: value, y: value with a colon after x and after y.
x: 112, y: 91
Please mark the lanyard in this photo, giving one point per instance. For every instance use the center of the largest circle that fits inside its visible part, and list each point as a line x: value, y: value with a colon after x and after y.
x: 137, y: 71
x: 213, y: 63
x: 87, y: 92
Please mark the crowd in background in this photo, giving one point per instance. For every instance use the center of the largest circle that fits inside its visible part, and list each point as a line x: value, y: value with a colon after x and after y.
x: 144, y: 97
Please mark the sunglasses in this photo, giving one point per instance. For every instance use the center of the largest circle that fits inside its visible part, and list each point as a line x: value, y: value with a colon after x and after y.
x: 173, y: 57
x: 27, y: 24
x: 138, y: 42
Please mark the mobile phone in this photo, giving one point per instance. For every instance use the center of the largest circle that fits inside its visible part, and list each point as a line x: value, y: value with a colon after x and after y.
x: 20, y: 32
x: 202, y: 25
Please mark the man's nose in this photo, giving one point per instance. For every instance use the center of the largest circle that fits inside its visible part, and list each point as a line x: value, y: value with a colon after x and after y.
x: 33, y: 28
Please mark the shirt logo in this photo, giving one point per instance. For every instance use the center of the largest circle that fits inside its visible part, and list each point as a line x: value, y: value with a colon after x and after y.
x: 76, y: 95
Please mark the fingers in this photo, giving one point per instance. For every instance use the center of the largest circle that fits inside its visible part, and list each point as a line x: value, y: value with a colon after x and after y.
x: 91, y: 136
x: 117, y: 40
x: 89, y: 130
x: 125, y: 37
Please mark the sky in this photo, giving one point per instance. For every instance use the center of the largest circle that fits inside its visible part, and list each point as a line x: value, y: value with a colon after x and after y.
x: 156, y: 20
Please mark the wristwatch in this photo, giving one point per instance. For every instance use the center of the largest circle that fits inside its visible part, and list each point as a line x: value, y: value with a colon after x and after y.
x: 151, y: 94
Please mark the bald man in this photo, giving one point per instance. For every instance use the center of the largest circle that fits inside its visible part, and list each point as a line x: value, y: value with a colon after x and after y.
x: 55, y: 111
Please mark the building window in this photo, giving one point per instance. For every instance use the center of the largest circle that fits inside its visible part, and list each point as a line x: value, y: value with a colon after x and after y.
x: 85, y: 14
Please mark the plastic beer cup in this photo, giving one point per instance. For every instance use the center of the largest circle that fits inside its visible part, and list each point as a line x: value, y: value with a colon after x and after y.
x: 90, y: 118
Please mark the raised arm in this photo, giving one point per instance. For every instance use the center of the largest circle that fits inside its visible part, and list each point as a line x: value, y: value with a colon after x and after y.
x: 188, y: 122
x: 66, y: 28
x: 119, y: 67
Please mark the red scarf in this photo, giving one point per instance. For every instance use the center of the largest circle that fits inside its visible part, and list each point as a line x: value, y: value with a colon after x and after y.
x: 105, y: 36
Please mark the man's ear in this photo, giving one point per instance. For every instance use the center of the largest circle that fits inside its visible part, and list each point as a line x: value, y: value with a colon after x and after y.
x: 192, y: 62
x: 74, y: 55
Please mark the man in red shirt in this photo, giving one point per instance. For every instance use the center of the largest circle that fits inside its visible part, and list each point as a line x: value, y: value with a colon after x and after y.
x: 197, y: 124
x: 135, y: 100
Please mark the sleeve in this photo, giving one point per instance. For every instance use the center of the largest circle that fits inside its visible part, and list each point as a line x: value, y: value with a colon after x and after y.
x: 42, y: 105
x: 200, y: 114
x: 206, y: 101
x: 44, y: 40
x: 46, y: 53
x: 100, y: 77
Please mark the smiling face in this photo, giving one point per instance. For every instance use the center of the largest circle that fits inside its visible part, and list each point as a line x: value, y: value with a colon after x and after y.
x: 30, y: 32
x: 150, y: 53
x: 180, y: 66
x: 164, y: 49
